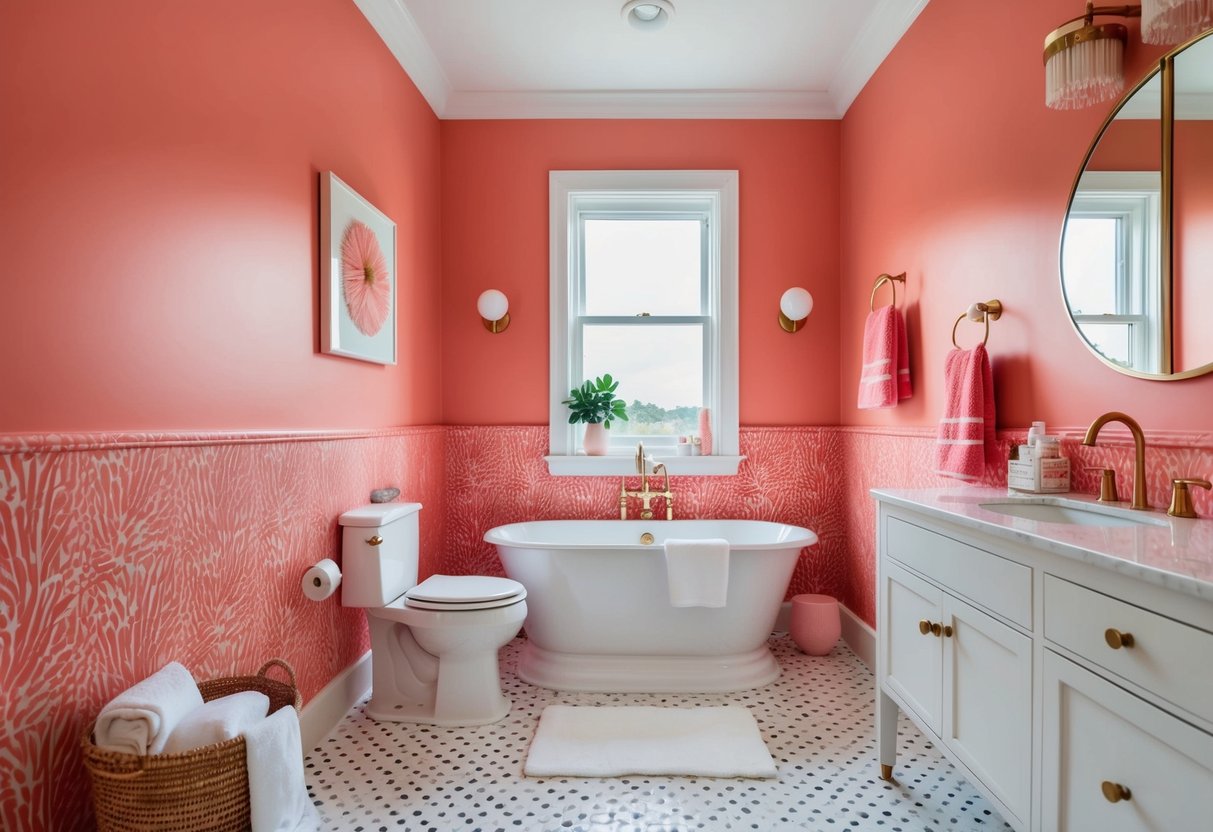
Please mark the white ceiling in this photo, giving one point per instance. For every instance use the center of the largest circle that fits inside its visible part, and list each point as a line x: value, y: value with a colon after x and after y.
x: 581, y: 59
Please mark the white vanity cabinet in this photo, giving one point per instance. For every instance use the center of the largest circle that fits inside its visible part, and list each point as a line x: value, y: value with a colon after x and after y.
x: 1073, y: 695
x: 961, y: 673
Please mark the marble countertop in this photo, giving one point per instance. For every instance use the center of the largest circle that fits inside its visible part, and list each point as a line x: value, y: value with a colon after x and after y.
x: 1169, y: 551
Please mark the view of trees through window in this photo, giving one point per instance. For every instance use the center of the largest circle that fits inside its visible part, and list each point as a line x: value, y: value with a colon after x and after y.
x: 648, y: 419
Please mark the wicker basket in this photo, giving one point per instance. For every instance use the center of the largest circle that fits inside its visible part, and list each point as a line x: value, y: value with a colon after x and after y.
x: 203, y: 789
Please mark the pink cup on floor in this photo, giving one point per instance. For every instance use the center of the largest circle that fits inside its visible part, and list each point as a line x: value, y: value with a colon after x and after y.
x: 815, y: 625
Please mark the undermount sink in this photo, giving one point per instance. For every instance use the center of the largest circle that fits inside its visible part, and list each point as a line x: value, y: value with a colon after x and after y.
x: 1073, y: 515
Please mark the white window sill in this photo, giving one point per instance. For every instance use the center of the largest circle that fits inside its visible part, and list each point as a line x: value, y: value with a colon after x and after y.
x: 622, y: 465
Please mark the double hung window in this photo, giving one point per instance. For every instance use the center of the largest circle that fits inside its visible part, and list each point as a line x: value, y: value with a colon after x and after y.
x: 644, y: 287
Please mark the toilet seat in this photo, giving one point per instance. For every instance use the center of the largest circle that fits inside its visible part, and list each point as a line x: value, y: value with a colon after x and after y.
x: 454, y: 593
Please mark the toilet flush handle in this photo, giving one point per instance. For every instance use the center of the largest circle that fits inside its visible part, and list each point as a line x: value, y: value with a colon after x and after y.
x: 374, y: 540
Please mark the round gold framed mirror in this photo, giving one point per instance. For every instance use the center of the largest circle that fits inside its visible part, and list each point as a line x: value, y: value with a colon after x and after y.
x: 1136, y: 249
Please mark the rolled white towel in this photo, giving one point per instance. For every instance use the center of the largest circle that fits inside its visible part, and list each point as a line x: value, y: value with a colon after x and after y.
x: 140, y: 719
x: 278, y: 800
x: 219, y: 720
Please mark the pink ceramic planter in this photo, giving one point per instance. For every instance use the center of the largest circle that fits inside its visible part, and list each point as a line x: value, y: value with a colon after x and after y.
x: 815, y: 623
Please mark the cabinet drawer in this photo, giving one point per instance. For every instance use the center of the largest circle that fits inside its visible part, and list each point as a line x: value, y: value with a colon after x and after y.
x: 1095, y: 732
x: 1000, y: 585
x: 1167, y: 658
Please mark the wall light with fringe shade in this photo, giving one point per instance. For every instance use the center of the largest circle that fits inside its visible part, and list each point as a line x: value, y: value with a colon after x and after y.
x: 1174, y: 21
x: 1084, y: 60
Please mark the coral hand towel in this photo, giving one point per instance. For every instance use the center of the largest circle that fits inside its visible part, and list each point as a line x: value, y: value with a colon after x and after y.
x: 904, y: 388
x: 966, y: 431
x: 885, y: 377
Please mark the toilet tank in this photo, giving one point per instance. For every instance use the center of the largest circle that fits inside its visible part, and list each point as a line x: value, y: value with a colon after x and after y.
x: 379, y: 551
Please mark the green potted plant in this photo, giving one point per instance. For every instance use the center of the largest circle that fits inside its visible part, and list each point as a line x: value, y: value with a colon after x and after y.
x: 595, y: 404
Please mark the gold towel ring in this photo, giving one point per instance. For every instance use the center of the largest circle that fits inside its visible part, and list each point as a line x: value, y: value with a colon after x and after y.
x: 964, y: 315
x: 880, y: 281
x: 991, y: 309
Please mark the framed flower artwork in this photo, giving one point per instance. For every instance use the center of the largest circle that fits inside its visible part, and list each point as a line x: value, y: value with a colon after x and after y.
x: 357, y: 275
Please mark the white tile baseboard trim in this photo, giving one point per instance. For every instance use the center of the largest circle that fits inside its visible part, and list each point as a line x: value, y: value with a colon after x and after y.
x: 329, y: 707
x: 855, y: 632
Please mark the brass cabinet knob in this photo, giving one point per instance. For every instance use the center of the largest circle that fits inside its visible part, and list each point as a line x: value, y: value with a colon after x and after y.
x: 947, y: 631
x: 374, y: 540
x: 647, y: 538
x: 936, y: 628
x: 1181, y: 497
x: 1114, y: 792
x: 924, y: 627
x: 1116, y: 639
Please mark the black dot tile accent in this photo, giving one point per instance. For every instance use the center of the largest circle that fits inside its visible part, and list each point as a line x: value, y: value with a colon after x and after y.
x: 816, y: 720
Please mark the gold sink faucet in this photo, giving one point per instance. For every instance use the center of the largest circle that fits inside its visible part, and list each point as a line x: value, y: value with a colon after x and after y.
x: 646, y: 496
x: 1139, y: 452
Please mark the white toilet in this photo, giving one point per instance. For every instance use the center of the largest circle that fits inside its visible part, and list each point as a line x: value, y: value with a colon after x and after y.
x: 434, y: 644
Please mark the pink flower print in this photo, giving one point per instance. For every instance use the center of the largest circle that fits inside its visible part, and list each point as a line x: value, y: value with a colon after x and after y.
x: 365, y: 279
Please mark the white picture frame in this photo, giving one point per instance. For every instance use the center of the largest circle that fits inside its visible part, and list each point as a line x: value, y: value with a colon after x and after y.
x: 341, y: 205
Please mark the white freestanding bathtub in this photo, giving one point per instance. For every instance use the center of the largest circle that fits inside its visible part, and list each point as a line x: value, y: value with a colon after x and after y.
x: 599, y: 615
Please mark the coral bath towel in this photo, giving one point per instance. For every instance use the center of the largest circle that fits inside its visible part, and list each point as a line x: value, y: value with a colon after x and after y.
x: 884, y: 379
x: 966, y: 431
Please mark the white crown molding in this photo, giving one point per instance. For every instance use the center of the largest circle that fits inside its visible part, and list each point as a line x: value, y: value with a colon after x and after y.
x: 412, y: 51
x: 880, y: 33
x: 639, y: 104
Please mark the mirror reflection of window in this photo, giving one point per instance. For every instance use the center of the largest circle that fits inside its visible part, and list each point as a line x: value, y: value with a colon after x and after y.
x: 1193, y: 204
x: 1110, y: 266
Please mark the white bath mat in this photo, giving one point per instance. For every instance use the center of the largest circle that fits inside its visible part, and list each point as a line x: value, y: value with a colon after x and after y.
x: 613, y: 741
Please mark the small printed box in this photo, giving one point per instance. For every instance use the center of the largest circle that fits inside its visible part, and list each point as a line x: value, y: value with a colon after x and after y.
x: 1042, y: 476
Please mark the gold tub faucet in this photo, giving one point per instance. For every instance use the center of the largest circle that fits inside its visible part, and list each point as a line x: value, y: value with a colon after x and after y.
x: 1139, y: 452
x: 646, y: 496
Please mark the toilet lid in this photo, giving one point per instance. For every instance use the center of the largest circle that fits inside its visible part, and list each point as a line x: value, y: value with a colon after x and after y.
x: 464, y: 589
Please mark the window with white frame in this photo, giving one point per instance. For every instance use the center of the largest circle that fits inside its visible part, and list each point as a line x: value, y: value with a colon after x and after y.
x: 644, y: 287
x: 1110, y: 266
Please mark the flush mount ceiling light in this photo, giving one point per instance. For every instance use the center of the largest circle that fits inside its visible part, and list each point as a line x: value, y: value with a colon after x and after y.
x: 1084, y: 61
x: 648, y: 15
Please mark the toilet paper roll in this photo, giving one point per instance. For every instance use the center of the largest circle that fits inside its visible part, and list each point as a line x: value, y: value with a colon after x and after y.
x: 321, y: 580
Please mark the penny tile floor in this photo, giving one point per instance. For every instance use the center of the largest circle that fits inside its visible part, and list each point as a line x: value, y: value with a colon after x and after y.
x: 816, y: 720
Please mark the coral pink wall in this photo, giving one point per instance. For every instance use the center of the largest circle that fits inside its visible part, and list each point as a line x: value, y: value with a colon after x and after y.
x: 495, y: 235
x: 969, y: 200
x: 1193, y: 241
x: 160, y: 225
x: 1128, y: 144
x: 120, y: 553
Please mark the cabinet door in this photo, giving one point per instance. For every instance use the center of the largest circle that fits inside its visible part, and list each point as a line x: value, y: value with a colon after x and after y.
x: 987, y: 702
x: 1097, y: 733
x: 912, y: 660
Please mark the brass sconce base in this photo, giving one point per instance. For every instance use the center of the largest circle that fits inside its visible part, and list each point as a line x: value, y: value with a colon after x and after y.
x: 496, y: 326
x: 788, y: 325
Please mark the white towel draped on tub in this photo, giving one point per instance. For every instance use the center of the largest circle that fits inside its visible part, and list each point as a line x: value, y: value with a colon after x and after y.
x: 140, y: 719
x: 697, y: 572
